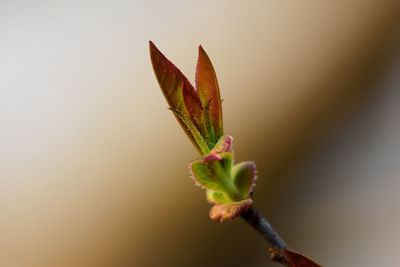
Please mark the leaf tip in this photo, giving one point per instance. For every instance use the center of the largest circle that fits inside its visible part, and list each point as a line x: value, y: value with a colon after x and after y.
x: 152, y: 47
x: 201, y: 49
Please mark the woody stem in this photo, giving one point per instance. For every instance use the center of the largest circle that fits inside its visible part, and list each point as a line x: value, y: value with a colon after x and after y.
x: 259, y: 223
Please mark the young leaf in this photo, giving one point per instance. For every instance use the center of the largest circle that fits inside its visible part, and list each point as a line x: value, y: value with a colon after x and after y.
x: 193, y: 132
x: 227, y: 212
x: 217, y: 197
x: 244, y: 176
x: 299, y: 260
x: 213, y: 172
x: 172, y: 82
x: 192, y: 105
x: 208, y: 90
x: 209, y: 128
x: 170, y: 79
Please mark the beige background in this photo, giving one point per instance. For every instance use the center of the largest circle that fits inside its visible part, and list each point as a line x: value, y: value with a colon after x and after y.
x: 93, y: 167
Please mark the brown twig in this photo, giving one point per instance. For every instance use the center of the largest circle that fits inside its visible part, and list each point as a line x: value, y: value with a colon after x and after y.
x: 259, y: 223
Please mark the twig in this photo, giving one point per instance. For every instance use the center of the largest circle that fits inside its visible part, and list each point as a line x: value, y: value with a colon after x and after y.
x: 258, y: 222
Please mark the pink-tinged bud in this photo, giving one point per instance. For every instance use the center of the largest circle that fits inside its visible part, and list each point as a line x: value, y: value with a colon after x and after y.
x: 212, y: 157
x: 223, y: 145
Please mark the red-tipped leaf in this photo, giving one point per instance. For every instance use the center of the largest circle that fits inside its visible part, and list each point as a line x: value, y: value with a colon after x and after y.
x: 207, y: 88
x: 170, y: 79
x: 172, y: 82
x: 192, y: 105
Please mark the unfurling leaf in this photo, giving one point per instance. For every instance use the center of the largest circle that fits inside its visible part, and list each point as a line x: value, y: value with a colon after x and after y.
x: 196, y: 136
x: 244, y: 176
x: 299, y: 260
x: 192, y: 105
x: 197, y: 111
x: 208, y: 125
x: 207, y: 87
x: 226, y: 212
x: 216, y: 197
x: 228, y: 187
x: 172, y: 81
x: 213, y: 171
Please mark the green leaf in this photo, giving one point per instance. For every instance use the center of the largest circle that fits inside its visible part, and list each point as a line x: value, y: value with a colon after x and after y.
x: 226, y: 212
x: 208, y: 90
x: 209, y: 128
x: 244, y: 177
x: 299, y: 260
x: 217, y: 197
x: 194, y: 132
x: 213, y: 172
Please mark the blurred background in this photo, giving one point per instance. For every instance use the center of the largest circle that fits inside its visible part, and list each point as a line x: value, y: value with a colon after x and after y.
x: 93, y: 167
